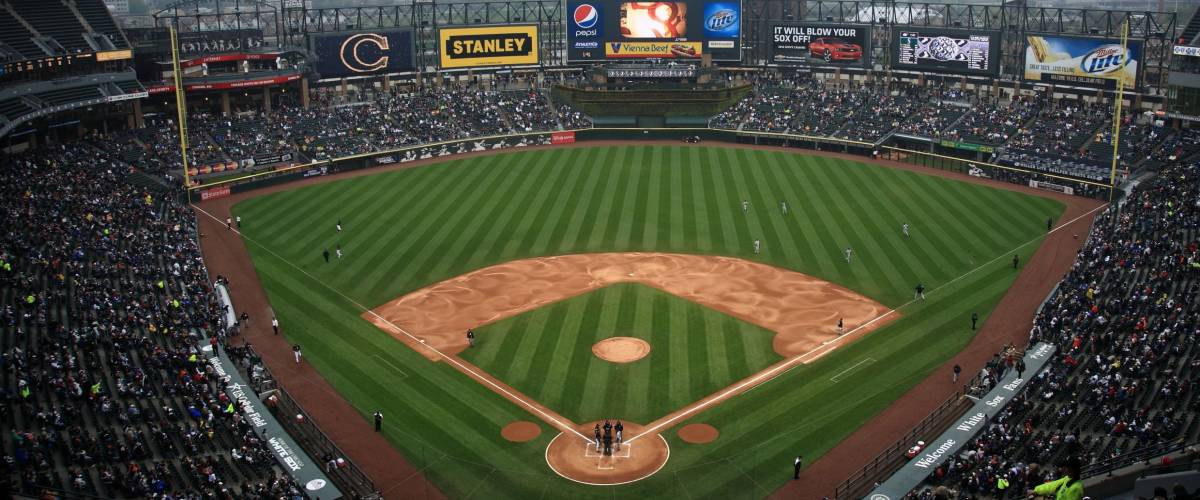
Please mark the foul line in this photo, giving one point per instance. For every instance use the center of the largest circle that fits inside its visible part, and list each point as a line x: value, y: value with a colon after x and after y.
x: 450, y: 359
x: 391, y: 364
x: 790, y: 364
x: 852, y: 367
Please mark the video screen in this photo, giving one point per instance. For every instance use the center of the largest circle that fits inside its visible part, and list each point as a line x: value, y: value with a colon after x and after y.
x: 655, y: 20
x: 957, y: 51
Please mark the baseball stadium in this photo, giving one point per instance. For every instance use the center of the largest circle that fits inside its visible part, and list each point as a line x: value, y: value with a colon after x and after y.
x: 599, y: 249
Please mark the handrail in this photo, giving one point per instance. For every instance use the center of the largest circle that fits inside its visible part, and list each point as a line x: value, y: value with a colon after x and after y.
x: 1137, y: 455
x: 890, y: 458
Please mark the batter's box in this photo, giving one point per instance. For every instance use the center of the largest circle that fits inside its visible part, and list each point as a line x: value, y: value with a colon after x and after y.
x: 593, y: 451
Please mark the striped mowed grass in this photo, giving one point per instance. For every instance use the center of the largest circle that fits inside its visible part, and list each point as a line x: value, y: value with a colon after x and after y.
x: 407, y: 229
x: 694, y: 351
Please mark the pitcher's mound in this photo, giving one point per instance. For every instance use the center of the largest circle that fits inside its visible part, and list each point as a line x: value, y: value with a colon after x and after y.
x: 698, y: 433
x: 621, y: 349
x: 521, y: 431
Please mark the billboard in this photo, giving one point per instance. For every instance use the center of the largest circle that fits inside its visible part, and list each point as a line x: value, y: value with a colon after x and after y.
x: 218, y: 41
x: 1086, y: 62
x: 804, y: 44
x: 612, y: 29
x: 946, y: 50
x: 362, y: 53
x: 472, y: 47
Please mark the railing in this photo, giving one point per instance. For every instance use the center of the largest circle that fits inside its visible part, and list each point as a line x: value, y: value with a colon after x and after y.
x: 1144, y: 453
x: 350, y: 479
x: 892, y: 457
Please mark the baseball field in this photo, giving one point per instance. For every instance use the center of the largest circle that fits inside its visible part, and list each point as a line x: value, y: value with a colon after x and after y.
x: 547, y: 253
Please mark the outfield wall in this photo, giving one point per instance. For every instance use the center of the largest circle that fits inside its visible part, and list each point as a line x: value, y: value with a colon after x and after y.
x: 449, y: 149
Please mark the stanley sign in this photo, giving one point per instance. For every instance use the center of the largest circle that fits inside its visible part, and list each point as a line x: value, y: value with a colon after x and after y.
x: 488, y: 46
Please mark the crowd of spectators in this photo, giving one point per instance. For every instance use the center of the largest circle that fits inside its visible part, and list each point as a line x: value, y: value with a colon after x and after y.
x: 1125, y: 321
x: 334, y: 127
x: 104, y: 384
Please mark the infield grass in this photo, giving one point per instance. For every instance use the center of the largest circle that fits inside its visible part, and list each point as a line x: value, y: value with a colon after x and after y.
x: 694, y: 351
x: 406, y: 229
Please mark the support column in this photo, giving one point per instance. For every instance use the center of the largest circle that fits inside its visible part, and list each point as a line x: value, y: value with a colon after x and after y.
x: 267, y: 99
x: 225, y: 109
x: 387, y: 83
x: 304, y: 92
x: 139, y: 119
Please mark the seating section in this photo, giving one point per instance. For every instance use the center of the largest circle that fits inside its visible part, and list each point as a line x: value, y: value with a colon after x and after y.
x: 328, y: 130
x: 103, y: 303
x: 54, y: 19
x: 101, y: 20
x: 16, y: 37
x: 1125, y: 321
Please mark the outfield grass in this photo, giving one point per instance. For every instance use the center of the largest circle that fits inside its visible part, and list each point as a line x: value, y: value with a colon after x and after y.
x: 410, y: 228
x: 694, y: 351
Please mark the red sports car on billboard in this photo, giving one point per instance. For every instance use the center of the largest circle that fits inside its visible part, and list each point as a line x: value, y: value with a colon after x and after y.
x: 834, y: 49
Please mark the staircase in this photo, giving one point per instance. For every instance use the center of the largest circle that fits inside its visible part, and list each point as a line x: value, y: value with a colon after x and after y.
x: 1192, y: 29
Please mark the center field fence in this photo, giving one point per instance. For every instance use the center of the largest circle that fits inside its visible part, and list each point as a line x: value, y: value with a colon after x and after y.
x: 451, y: 148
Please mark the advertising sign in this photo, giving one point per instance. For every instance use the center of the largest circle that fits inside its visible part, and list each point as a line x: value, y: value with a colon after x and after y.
x: 803, y: 44
x: 362, y: 53
x: 476, y: 46
x: 611, y: 29
x: 218, y: 41
x: 1085, y: 62
x: 641, y: 50
x: 946, y: 50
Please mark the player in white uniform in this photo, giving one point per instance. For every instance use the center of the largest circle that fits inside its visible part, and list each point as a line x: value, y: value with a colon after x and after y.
x: 783, y: 207
x: 904, y: 229
x: 757, y: 246
x: 745, y: 206
x: 849, y: 253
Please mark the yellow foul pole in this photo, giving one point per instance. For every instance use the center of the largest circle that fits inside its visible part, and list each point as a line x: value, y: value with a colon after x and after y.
x: 181, y: 107
x: 1116, y: 133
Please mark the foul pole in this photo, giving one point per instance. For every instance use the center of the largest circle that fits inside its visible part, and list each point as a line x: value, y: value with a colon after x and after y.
x: 1116, y: 132
x: 181, y: 107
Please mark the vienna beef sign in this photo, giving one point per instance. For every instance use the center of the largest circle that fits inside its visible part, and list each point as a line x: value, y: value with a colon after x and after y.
x: 488, y: 46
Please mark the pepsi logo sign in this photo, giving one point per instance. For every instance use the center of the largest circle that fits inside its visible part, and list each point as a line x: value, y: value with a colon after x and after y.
x: 586, y: 16
x: 1103, y: 60
x: 586, y: 21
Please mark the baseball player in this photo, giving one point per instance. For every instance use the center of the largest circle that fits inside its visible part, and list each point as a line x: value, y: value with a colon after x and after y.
x: 296, y: 352
x: 849, y: 254
x: 919, y: 292
x: 339, y: 250
x: 757, y: 246
x: 620, y: 430
x: 783, y: 207
x: 904, y: 229
x: 228, y: 223
x: 745, y: 206
x: 841, y: 327
x: 597, y: 437
x: 238, y: 221
x: 471, y: 337
x: 338, y: 225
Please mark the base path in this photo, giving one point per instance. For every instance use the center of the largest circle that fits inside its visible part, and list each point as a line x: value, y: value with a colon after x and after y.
x: 582, y: 462
x: 802, y: 310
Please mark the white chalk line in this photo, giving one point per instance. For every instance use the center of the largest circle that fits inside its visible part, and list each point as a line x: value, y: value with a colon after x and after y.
x: 790, y: 364
x: 391, y: 364
x: 852, y: 367
x: 449, y: 359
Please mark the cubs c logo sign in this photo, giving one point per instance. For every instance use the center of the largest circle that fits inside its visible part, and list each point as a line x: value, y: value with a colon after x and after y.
x: 586, y: 16
x: 352, y: 52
